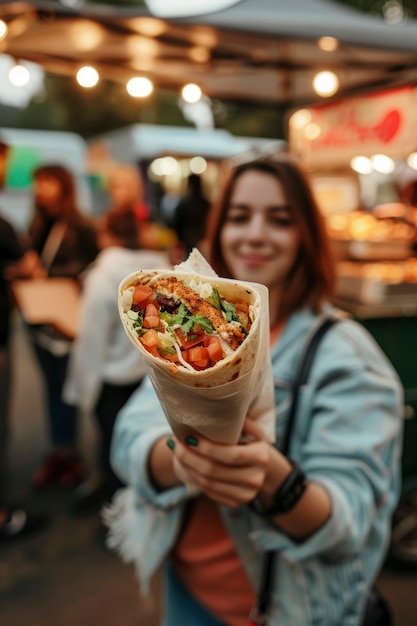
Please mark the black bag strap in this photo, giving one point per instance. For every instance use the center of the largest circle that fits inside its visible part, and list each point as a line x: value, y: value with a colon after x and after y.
x: 301, y: 377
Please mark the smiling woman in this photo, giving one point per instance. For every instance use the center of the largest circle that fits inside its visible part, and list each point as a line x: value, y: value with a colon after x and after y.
x: 322, y: 504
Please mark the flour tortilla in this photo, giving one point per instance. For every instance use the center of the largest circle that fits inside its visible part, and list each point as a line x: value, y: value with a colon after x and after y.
x: 213, y: 402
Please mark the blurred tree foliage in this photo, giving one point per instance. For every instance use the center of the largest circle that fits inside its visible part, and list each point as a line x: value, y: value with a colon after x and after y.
x: 64, y: 106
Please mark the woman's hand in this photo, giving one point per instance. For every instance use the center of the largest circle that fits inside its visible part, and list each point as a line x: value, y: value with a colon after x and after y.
x: 228, y: 474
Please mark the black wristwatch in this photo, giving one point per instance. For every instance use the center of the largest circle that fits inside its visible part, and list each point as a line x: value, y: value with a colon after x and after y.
x: 287, y: 494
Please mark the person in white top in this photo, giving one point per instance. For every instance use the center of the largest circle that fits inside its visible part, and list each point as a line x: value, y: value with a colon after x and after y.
x: 105, y: 368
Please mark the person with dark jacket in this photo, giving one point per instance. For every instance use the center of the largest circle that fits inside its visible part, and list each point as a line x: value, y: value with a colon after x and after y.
x: 15, y: 520
x: 191, y: 214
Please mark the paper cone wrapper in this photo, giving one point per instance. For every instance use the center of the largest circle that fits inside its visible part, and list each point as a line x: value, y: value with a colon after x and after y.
x: 213, y: 402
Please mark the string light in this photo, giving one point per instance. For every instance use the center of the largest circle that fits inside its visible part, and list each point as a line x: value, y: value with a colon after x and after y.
x: 326, y: 84
x: 361, y: 165
x: 191, y: 93
x: 19, y: 75
x: 139, y: 87
x: 3, y: 30
x: 87, y: 77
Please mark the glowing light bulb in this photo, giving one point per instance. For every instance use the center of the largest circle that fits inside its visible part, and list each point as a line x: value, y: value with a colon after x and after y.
x: 19, y: 75
x: 361, y: 165
x: 3, y: 30
x: 191, y: 93
x: 198, y: 165
x: 87, y: 77
x: 139, y: 87
x: 326, y: 84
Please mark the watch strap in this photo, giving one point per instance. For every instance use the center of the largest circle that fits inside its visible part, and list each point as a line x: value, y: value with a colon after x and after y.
x: 287, y: 495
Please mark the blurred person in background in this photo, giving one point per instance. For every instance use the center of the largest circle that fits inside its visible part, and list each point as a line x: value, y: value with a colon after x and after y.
x: 127, y: 194
x: 65, y: 242
x: 105, y: 368
x: 15, y: 520
x: 126, y: 190
x: 191, y: 215
x: 325, y: 505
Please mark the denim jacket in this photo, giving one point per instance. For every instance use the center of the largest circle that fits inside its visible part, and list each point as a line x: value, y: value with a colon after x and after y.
x: 347, y: 437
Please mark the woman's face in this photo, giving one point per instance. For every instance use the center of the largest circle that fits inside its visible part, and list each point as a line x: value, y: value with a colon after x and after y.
x: 123, y: 189
x: 259, y: 238
x: 48, y: 193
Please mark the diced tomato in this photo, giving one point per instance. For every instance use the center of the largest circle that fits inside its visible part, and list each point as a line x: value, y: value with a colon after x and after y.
x: 150, y: 339
x: 215, y: 349
x: 151, y: 310
x: 201, y: 365
x: 151, y: 319
x: 242, y: 306
x: 141, y: 293
x: 190, y: 340
x: 208, y: 339
x: 195, y: 354
x: 151, y: 342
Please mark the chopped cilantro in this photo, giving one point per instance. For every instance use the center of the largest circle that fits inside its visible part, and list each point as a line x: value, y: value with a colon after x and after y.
x: 221, y: 304
x: 215, y: 299
x: 137, y: 324
x: 187, y: 320
x: 230, y: 311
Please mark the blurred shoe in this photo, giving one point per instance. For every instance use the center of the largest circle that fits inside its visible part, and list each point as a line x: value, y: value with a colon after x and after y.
x: 49, y: 472
x: 73, y: 473
x: 20, y: 523
x: 90, y: 497
x: 60, y: 467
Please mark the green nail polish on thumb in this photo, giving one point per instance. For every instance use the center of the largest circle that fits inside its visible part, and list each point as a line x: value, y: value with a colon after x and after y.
x: 191, y: 441
x: 170, y: 443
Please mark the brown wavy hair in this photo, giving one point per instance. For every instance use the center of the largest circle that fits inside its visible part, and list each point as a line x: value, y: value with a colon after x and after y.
x: 312, y: 278
x: 67, y: 202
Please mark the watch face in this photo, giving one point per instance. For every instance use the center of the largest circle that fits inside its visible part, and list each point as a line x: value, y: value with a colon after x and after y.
x: 286, y: 496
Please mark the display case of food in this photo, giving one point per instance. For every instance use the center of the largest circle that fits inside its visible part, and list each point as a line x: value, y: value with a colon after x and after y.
x: 379, y: 284
x: 361, y: 236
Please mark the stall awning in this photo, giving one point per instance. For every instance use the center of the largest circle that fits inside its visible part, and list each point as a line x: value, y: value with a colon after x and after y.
x: 261, y: 51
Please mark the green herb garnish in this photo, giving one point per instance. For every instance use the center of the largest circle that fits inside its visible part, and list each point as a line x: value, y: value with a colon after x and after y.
x: 187, y: 321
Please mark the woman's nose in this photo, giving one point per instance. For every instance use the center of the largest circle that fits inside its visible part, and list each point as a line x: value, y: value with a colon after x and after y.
x: 257, y: 228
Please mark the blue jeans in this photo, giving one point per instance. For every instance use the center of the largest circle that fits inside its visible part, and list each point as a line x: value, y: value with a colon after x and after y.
x: 180, y: 607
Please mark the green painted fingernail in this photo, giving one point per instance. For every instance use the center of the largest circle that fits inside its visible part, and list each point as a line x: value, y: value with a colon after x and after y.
x: 192, y: 441
x: 171, y: 443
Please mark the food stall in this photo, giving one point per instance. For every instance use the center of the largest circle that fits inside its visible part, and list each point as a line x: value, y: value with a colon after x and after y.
x: 356, y: 153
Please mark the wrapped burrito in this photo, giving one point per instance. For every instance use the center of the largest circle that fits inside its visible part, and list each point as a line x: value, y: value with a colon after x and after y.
x: 205, y: 341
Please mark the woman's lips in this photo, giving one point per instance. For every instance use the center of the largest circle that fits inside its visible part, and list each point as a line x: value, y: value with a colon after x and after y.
x: 254, y: 259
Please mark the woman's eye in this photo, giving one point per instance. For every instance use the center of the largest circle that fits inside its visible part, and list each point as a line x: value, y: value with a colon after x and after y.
x: 234, y: 216
x: 282, y: 220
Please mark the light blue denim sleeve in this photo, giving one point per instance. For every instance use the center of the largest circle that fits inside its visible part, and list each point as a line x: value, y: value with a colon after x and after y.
x: 138, y: 426
x: 352, y: 412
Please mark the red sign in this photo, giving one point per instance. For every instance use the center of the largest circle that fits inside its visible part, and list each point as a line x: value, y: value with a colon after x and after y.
x: 382, y: 123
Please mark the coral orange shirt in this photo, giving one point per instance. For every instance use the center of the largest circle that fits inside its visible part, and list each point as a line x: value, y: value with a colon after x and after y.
x: 206, y: 562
